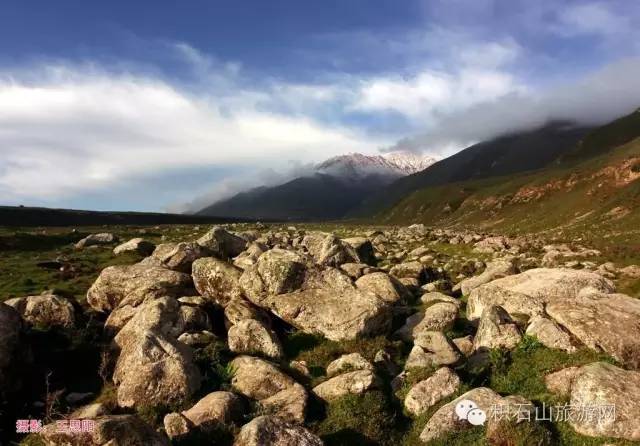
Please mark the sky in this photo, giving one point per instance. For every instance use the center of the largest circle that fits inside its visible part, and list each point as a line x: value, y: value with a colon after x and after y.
x: 166, y: 105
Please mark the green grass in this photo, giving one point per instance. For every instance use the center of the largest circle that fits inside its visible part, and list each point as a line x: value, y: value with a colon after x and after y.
x: 522, y: 371
x: 319, y: 352
x: 367, y: 419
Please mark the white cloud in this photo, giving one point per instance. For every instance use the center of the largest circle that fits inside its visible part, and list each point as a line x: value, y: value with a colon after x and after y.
x: 591, y: 18
x: 432, y: 93
x: 81, y: 130
x: 600, y: 97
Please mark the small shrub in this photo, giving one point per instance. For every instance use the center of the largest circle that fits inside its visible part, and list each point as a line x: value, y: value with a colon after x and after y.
x: 213, y: 361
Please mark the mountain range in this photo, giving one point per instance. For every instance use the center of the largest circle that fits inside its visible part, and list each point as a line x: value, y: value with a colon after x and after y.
x: 589, y: 193
x: 512, y: 180
x: 334, y: 188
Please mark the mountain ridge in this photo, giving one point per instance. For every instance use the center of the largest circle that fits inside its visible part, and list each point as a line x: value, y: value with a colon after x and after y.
x: 336, y: 186
x: 504, y: 155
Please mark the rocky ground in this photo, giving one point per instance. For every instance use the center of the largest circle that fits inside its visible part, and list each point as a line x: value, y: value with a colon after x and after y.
x: 276, y: 335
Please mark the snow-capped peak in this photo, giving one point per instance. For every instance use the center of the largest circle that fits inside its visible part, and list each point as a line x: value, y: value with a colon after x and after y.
x: 410, y: 162
x: 393, y: 164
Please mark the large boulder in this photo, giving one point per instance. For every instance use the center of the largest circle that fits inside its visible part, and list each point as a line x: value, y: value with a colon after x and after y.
x: 528, y: 292
x: 239, y: 309
x: 603, y: 322
x: 425, y: 394
x: 364, y: 249
x: 222, y: 243
x: 44, y: 310
x: 432, y: 348
x: 153, y: 368
x: 273, y: 431
x: 495, y: 270
x: 383, y: 285
x: 250, y: 336
x: 333, y: 313
x: 431, y: 297
x: 350, y: 383
x: 313, y: 299
x: 250, y: 255
x: 177, y: 256
x: 329, y: 250
x: 103, y: 238
x: 491, y: 244
x: 410, y: 270
x: 217, y: 279
x: 277, y: 271
x: 137, y: 245
x: 550, y: 334
x: 215, y: 409
x: 347, y: 363
x: 604, y: 401
x: 445, y: 420
x: 133, y: 284
x: 580, y: 302
x: 496, y: 330
x: 438, y: 317
x: 108, y: 430
x: 167, y: 316
x: 276, y: 392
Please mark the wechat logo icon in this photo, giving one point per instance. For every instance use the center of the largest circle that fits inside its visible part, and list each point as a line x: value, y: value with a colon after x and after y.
x: 468, y: 410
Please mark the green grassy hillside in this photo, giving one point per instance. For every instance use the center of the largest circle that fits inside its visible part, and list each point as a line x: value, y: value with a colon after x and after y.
x: 596, y: 200
x: 504, y: 155
x: 605, y: 138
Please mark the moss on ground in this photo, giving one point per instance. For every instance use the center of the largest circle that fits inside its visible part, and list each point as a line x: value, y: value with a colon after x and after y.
x: 367, y: 419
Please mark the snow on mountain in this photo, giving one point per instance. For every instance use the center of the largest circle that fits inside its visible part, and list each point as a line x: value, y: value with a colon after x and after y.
x: 393, y: 164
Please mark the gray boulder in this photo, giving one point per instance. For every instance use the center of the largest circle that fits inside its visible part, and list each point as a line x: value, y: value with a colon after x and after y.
x: 108, y: 430
x: 354, y: 383
x: 133, y: 284
x: 104, y: 238
x: 550, y: 334
x: 250, y: 336
x: 44, y: 310
x: 604, y: 400
x: 222, y: 243
x: 273, y: 431
x: 276, y: 392
x: 153, y: 368
x: 137, y: 245
x: 438, y: 317
x: 602, y: 322
x: 217, y: 279
x: 215, y: 409
x: 495, y: 270
x: 349, y: 362
x: 364, y: 249
x: 425, y: 394
x: 528, y: 292
x: 277, y: 271
x: 330, y: 250
x: 177, y: 256
x: 315, y: 300
x: 496, y: 330
x: 383, y: 285
x: 432, y: 348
